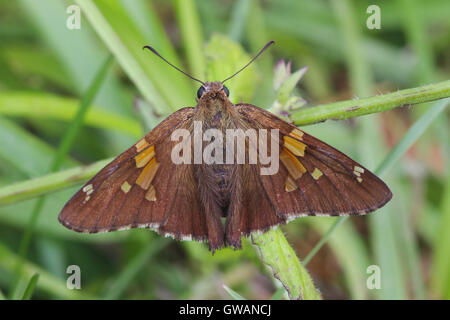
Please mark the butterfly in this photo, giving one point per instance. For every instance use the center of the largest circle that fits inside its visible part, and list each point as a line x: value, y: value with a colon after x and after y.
x: 145, y: 188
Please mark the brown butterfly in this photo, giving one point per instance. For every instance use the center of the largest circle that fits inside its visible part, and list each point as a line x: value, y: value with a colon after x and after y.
x: 145, y: 188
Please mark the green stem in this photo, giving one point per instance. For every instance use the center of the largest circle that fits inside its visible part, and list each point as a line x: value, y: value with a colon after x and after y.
x: 359, y: 107
x: 49, y: 183
x: 276, y: 252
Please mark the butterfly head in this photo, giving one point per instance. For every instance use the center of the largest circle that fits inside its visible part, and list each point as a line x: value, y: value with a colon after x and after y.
x: 214, y: 89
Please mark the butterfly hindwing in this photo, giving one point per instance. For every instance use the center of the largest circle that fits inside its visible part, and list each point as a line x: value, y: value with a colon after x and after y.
x: 141, y: 188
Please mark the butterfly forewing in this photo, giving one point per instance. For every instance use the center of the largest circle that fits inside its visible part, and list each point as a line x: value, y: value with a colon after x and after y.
x: 314, y: 178
x: 141, y: 188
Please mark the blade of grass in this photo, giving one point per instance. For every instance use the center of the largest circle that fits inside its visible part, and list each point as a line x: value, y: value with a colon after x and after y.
x: 164, y: 87
x: 68, y: 45
x: 411, y: 136
x: 350, y: 251
x: 416, y: 32
x: 147, y: 115
x: 121, y: 52
x: 388, y: 61
x: 64, y: 147
x: 34, y: 105
x: 257, y: 35
x: 192, y: 36
x: 77, y: 122
x: 119, y: 285
x: 278, y: 294
x: 440, y: 274
x: 143, y: 13
x: 32, y: 61
x: 26, y: 146
x: 30, y: 287
x: 360, y: 74
x: 361, y: 83
x: 237, y: 23
x: 232, y: 293
x: 322, y: 240
x: 47, y: 283
x: 71, y: 47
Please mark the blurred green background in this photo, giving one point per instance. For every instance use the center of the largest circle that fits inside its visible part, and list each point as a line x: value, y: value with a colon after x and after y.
x: 46, y: 68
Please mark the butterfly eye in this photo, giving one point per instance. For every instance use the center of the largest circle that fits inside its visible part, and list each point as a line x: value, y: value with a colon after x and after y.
x: 200, y: 92
x: 225, y: 89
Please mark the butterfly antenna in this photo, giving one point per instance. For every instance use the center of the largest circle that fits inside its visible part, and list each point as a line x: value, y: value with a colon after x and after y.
x: 268, y: 44
x: 186, y: 74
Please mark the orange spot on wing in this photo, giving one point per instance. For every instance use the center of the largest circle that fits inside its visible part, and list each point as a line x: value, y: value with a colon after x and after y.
x: 145, y: 156
x: 316, y: 174
x: 296, y: 133
x: 294, y: 146
x: 141, y: 145
x: 290, y: 184
x: 145, y: 178
x: 151, y: 194
x: 292, y: 164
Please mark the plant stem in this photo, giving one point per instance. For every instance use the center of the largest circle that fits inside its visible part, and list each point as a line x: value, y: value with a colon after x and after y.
x: 49, y: 183
x: 359, y: 107
x: 276, y: 252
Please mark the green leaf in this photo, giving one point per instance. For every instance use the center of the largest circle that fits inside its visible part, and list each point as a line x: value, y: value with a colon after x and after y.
x: 123, y: 280
x: 232, y: 293
x: 30, y: 287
